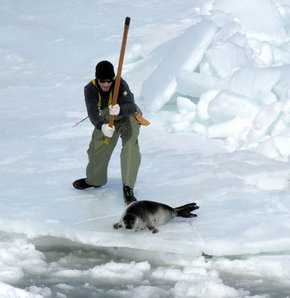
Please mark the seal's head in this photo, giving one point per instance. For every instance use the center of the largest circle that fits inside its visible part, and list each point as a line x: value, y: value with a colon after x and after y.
x: 129, y: 221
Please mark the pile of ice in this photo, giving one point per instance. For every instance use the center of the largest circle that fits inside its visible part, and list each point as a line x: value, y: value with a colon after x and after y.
x: 227, y: 76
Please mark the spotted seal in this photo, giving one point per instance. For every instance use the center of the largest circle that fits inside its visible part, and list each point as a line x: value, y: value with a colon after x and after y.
x: 147, y: 214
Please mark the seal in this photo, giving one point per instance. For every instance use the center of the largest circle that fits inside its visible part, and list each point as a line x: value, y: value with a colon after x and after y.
x: 140, y: 215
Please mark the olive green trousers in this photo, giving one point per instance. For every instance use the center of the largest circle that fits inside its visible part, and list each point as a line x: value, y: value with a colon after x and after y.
x: 100, y: 153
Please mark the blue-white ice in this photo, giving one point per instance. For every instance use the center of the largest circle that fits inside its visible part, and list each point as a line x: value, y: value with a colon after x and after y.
x: 213, y: 78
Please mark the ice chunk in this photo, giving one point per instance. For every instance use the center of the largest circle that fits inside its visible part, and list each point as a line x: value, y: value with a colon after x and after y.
x: 186, y: 116
x: 193, y: 83
x: 110, y: 270
x: 202, y: 105
x: 181, y: 126
x: 281, y: 55
x: 199, y: 128
x: 282, y: 87
x: 255, y: 83
x: 261, y: 53
x: 268, y: 149
x: 135, y: 53
x: 259, y: 18
x: 226, y: 24
x: 283, y: 123
x: 232, y: 128
x: 266, y: 54
x: 10, y: 291
x: 186, y: 53
x: 282, y: 144
x: 263, y: 122
x: 228, y: 105
x: 185, y: 105
x: 239, y: 39
x: 144, y: 68
x: 196, y: 282
x: 226, y: 58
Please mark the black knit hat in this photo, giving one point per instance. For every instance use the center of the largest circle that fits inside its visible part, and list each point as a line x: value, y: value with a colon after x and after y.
x: 105, y: 70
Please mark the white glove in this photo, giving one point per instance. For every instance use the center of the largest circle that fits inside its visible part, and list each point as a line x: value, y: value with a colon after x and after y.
x: 114, y: 110
x: 107, y: 130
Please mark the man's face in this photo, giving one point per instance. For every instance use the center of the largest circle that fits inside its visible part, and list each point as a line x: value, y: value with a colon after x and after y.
x: 105, y: 84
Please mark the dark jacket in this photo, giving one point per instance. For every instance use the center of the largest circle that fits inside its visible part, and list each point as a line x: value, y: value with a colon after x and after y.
x: 125, y: 101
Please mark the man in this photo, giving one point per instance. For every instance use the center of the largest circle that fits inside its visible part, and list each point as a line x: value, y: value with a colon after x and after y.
x: 98, y: 97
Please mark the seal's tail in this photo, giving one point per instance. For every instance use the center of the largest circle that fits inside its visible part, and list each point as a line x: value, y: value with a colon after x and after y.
x: 185, y: 210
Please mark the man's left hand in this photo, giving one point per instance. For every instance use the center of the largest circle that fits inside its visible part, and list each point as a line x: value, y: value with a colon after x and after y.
x: 114, y: 110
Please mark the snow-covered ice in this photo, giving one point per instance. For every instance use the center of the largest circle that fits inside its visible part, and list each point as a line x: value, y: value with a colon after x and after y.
x: 213, y: 78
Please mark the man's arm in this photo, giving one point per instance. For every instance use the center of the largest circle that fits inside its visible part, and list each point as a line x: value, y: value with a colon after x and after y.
x: 126, y: 100
x: 92, y: 107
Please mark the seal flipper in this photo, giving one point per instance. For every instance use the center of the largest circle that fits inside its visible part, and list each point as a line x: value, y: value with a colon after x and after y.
x: 117, y: 225
x: 153, y: 229
x: 185, y: 210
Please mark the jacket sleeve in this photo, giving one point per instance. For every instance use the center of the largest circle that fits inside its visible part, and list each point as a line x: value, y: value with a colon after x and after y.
x: 92, y: 107
x: 126, y: 100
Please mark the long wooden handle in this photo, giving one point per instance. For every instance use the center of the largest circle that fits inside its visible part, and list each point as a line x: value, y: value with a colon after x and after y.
x: 120, y: 65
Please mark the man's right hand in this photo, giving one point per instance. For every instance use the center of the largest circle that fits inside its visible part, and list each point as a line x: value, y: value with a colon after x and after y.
x: 107, y: 130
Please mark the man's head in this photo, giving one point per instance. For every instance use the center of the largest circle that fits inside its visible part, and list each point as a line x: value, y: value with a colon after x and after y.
x: 105, y: 75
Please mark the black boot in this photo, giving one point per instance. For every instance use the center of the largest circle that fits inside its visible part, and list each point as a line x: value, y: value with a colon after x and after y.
x: 82, y: 184
x: 128, y: 195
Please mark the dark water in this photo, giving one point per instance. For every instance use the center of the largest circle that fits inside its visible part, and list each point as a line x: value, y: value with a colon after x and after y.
x: 80, y: 261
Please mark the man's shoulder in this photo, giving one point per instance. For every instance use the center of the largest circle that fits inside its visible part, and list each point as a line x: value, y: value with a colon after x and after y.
x: 122, y: 81
x: 90, y: 88
x: 124, y: 84
x: 89, y: 85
